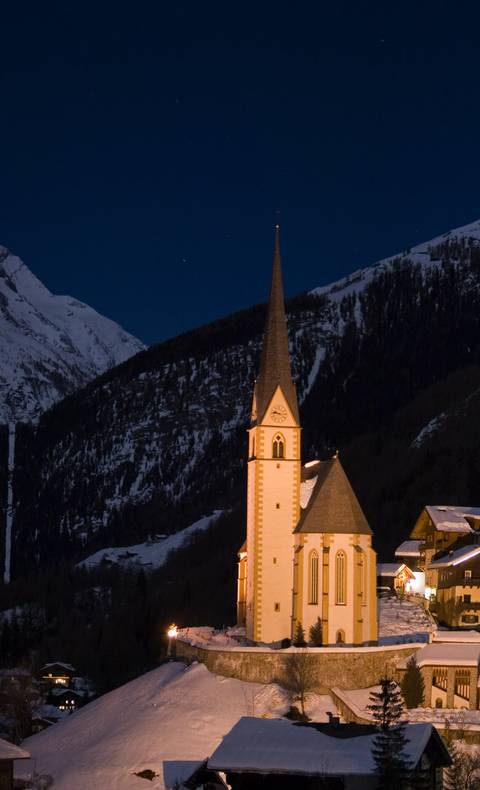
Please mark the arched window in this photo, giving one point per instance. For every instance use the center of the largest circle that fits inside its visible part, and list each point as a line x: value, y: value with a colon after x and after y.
x: 313, y: 577
x: 278, y: 450
x: 340, y: 578
x: 438, y: 703
x: 340, y: 639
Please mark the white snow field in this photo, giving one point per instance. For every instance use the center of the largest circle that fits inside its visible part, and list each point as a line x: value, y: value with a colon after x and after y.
x: 401, y: 621
x: 168, y: 721
x: 149, y: 555
x: 49, y: 344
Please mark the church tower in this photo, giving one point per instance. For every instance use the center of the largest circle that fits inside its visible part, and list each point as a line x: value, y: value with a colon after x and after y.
x: 273, y: 496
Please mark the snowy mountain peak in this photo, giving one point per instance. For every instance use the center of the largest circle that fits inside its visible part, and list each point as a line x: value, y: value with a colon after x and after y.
x: 49, y: 344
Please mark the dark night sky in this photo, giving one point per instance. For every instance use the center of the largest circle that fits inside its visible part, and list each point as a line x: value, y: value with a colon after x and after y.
x: 145, y: 146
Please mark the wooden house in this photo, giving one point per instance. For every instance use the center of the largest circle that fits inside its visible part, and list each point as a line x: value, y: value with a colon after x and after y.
x: 273, y: 754
x: 8, y: 754
x: 458, y: 587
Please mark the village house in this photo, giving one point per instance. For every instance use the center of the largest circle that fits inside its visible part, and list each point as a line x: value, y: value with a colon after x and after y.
x: 308, y: 553
x: 439, y: 528
x: 56, y: 674
x: 273, y: 754
x: 458, y: 586
x: 395, y: 576
x: 8, y: 754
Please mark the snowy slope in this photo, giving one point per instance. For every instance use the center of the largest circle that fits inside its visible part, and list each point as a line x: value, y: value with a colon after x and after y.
x: 423, y: 254
x: 167, y: 721
x: 49, y: 345
x: 151, y: 554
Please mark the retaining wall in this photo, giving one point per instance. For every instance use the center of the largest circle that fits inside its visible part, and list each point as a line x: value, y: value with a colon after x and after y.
x: 341, y: 667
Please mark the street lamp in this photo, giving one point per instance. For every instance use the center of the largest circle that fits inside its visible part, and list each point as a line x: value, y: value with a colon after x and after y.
x: 172, y: 635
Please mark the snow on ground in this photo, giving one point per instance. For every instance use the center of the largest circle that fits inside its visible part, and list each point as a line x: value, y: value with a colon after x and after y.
x: 403, y: 620
x: 168, y: 721
x: 151, y: 554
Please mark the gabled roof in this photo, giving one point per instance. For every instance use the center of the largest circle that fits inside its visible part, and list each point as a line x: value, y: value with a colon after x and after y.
x: 392, y: 568
x: 457, y: 557
x: 452, y: 518
x: 275, y: 360
x: 409, y: 548
x: 278, y: 746
x: 8, y: 751
x: 332, y: 505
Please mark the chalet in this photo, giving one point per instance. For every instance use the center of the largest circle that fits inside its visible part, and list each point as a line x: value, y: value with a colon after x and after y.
x: 450, y: 671
x: 66, y: 699
x: 56, y: 674
x: 439, y: 528
x: 410, y: 553
x: 276, y: 754
x: 8, y: 754
x: 395, y: 575
x: 458, y: 586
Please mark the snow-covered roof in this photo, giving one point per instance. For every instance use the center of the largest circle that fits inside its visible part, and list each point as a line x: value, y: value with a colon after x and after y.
x: 62, y: 664
x: 443, y: 654
x: 8, y: 751
x: 409, y: 548
x: 279, y: 746
x: 390, y: 568
x: 456, y: 557
x: 452, y: 518
x: 456, y: 636
x: 306, y: 490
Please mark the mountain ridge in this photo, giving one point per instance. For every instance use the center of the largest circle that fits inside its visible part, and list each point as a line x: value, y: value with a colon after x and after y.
x: 49, y: 344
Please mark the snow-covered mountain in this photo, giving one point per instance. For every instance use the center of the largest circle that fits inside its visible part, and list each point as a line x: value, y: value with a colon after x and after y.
x: 160, y: 441
x: 49, y: 345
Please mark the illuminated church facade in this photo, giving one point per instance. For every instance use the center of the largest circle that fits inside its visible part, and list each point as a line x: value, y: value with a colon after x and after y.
x: 308, y: 553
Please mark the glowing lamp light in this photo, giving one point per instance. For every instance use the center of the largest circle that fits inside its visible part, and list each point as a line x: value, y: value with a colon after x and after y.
x: 172, y: 632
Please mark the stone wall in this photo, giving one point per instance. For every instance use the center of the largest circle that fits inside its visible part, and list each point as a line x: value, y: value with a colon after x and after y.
x: 344, y: 668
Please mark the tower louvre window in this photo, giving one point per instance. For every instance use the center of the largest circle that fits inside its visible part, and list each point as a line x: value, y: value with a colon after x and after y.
x: 340, y: 578
x: 278, y: 449
x: 313, y: 578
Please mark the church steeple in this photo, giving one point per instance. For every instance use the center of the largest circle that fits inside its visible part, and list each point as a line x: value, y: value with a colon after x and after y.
x: 275, y: 360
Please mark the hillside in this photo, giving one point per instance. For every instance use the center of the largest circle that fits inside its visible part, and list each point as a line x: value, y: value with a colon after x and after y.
x: 49, y: 345
x: 138, y: 449
x: 167, y: 721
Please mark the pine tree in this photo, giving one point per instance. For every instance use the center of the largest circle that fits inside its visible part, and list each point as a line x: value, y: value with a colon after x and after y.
x: 316, y: 633
x: 413, y: 685
x: 386, y: 707
x: 299, y: 637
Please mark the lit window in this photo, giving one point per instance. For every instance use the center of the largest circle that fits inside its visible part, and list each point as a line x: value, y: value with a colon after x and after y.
x: 313, y: 578
x: 340, y: 578
x: 278, y: 450
x: 468, y: 574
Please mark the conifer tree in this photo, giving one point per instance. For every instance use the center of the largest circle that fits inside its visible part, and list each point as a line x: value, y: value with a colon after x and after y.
x: 316, y: 633
x: 299, y: 637
x: 386, y: 707
x: 413, y: 685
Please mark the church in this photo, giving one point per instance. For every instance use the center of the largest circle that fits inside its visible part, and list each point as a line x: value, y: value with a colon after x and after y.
x: 308, y: 554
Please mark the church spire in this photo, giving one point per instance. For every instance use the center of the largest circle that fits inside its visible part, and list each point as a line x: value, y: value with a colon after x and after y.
x: 275, y: 361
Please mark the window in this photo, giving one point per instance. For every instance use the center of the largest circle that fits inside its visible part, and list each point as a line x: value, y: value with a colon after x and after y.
x: 467, y: 599
x: 278, y: 450
x: 340, y: 638
x: 277, y: 505
x: 277, y: 607
x: 313, y: 577
x: 468, y: 574
x: 440, y: 678
x: 471, y: 619
x: 438, y: 703
x: 462, y: 683
x: 340, y: 578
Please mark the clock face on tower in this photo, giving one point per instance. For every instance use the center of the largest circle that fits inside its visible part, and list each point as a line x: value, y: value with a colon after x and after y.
x: 278, y: 413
